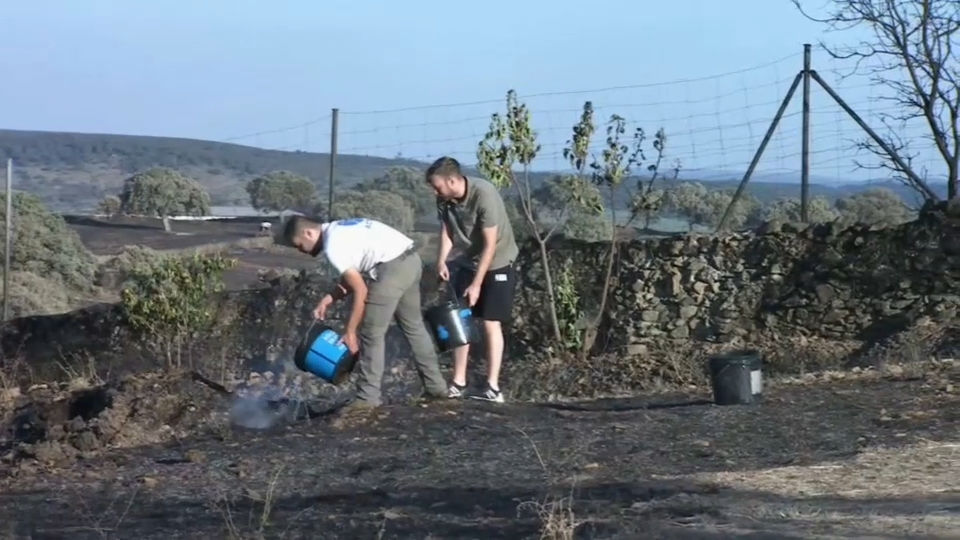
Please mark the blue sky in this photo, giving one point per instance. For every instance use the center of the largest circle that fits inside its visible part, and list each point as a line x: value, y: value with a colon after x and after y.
x: 268, y: 76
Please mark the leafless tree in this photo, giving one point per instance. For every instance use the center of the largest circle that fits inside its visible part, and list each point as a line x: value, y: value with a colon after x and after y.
x: 911, y: 49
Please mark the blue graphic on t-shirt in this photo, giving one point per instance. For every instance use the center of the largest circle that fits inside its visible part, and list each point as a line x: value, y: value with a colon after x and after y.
x: 352, y: 221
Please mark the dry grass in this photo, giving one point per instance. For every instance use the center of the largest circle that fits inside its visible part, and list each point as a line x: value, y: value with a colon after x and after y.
x: 80, y: 371
x: 105, y: 524
x: 558, y: 520
x: 900, y: 492
x: 258, y: 524
x: 904, y: 472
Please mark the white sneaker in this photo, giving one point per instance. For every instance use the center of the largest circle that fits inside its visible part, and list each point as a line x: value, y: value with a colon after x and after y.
x: 490, y: 394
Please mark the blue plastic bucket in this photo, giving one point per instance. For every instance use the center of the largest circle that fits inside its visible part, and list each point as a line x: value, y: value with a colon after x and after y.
x: 322, y: 353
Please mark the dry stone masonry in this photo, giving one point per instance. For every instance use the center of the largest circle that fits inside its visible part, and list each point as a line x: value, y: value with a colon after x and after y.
x: 851, y: 286
x: 820, y: 281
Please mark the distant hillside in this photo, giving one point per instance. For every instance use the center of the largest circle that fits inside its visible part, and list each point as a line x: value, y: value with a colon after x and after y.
x: 74, y: 171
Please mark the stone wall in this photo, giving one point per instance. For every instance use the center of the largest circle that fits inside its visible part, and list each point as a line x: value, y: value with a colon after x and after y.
x: 851, y: 286
x: 820, y: 281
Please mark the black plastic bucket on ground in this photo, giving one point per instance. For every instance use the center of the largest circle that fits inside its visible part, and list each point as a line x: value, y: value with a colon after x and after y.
x: 451, y: 325
x: 736, y: 377
x: 323, y: 353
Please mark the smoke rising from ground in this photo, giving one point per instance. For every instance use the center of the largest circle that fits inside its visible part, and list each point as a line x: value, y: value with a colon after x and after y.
x: 268, y: 399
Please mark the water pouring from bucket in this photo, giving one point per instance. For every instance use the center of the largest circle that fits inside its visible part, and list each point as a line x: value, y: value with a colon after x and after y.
x: 323, y: 353
x: 451, y: 323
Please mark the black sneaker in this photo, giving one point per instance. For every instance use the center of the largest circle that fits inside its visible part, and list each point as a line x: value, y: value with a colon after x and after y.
x: 490, y: 394
x: 455, y: 391
x: 430, y: 397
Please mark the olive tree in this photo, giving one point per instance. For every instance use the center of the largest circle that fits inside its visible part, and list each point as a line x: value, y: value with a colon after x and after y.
x: 383, y: 206
x: 699, y: 205
x: 164, y: 193
x: 408, y: 183
x: 281, y: 190
x: 109, y: 206
x: 788, y: 210
x: 877, y: 206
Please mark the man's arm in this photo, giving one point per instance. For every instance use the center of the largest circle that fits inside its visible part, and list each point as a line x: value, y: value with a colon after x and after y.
x: 486, y: 256
x: 446, y: 242
x: 354, y: 283
x: 489, y: 214
x: 340, y: 265
x: 340, y: 291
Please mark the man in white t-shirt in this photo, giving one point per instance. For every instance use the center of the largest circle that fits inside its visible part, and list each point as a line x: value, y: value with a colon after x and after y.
x: 380, y: 267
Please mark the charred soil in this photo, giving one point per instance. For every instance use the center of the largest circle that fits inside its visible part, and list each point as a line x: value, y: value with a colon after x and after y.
x: 156, y: 457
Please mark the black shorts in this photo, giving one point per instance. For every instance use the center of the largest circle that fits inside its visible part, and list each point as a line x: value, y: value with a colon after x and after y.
x: 496, y: 292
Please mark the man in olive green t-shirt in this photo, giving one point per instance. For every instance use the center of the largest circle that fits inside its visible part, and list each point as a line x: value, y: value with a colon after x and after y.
x: 473, y: 211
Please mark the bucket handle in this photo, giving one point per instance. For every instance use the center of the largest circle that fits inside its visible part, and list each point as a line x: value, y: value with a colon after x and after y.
x: 452, y: 291
x: 303, y: 340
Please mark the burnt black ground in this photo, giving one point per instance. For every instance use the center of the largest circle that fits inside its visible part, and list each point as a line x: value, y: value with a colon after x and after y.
x: 457, y: 470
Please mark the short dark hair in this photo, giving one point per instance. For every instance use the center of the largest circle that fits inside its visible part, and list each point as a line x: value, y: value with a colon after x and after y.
x: 445, y: 166
x: 295, y: 226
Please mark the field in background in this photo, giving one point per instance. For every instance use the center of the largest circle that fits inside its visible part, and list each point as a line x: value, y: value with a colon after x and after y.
x: 241, y: 239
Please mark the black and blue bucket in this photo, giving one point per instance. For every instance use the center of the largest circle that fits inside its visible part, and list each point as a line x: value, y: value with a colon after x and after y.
x: 323, y: 353
x: 451, y: 325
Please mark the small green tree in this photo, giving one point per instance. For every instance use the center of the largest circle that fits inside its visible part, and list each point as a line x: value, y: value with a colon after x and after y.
x: 109, y: 206
x: 383, y: 206
x: 163, y: 192
x: 281, y: 190
x: 169, y: 303
x: 113, y: 273
x: 511, y: 141
x: 877, y: 206
x: 617, y: 163
x: 819, y: 210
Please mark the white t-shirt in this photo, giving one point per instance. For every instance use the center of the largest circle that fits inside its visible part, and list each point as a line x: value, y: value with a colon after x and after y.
x: 362, y: 244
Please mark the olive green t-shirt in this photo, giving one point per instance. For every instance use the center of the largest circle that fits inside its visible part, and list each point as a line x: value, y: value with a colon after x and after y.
x: 482, y: 207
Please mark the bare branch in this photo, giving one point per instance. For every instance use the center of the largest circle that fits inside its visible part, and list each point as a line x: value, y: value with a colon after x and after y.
x: 910, y: 52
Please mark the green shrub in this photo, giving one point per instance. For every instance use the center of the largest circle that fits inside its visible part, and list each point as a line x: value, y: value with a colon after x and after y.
x: 31, y: 294
x: 169, y: 303
x: 44, y: 245
x: 116, y: 271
